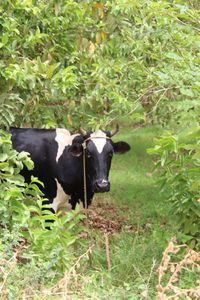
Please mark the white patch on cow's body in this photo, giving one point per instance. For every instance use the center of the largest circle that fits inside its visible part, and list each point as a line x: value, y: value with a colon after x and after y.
x: 63, y: 138
x: 99, y: 139
x: 61, y: 201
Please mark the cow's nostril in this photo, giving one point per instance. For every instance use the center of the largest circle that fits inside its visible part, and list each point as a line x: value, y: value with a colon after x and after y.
x: 102, y: 186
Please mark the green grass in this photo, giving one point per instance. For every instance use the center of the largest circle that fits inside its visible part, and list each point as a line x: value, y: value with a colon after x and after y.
x: 132, y: 176
x: 136, y: 253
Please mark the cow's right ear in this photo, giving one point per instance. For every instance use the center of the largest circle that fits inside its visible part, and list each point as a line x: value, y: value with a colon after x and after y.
x: 76, y: 149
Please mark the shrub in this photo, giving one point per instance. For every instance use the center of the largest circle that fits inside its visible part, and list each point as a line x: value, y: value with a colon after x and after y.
x: 179, y: 165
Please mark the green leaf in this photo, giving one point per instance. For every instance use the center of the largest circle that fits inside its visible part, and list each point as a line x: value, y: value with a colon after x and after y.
x: 187, y: 92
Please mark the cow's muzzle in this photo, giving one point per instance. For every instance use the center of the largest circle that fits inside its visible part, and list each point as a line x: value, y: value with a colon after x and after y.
x: 101, y: 186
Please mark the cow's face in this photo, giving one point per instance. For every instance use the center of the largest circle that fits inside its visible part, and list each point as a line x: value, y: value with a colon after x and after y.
x: 98, y: 154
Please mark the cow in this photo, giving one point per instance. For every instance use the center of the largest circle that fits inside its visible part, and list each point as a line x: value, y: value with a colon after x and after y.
x: 59, y: 157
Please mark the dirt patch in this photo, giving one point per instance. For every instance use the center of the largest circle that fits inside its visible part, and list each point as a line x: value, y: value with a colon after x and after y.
x: 106, y: 217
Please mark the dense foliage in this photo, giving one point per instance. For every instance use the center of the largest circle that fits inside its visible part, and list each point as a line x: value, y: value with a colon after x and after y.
x: 180, y: 163
x: 73, y: 62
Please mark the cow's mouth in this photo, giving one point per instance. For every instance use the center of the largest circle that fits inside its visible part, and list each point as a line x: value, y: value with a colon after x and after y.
x: 101, y: 186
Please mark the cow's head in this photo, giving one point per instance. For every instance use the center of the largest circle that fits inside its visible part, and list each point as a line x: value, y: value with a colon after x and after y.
x: 98, y: 149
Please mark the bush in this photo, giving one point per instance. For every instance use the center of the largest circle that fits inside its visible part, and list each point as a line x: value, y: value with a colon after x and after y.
x: 180, y: 174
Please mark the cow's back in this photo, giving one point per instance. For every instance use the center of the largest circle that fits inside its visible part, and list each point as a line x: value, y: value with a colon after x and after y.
x: 40, y: 143
x: 45, y: 147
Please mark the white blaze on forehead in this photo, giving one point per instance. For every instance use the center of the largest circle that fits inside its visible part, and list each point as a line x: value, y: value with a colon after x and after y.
x: 61, y: 201
x: 99, y: 139
x: 63, y: 138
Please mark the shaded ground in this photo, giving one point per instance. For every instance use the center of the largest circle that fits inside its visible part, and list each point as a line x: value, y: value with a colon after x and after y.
x: 108, y: 217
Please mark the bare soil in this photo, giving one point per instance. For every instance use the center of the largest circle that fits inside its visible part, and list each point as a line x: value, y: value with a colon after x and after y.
x: 107, y: 217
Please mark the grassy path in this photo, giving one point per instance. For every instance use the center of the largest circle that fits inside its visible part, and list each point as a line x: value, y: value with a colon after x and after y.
x: 135, y: 251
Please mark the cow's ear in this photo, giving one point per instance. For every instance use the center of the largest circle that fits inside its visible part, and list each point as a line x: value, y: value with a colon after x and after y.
x: 76, y: 149
x: 121, y: 147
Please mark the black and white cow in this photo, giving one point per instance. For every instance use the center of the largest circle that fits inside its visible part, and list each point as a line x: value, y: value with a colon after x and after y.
x: 58, y: 162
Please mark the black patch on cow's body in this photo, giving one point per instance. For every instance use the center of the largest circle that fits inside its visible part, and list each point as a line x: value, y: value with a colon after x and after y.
x: 41, y: 145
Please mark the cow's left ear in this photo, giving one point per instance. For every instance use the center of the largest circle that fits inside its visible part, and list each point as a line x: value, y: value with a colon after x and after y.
x: 76, y: 149
x: 121, y: 147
